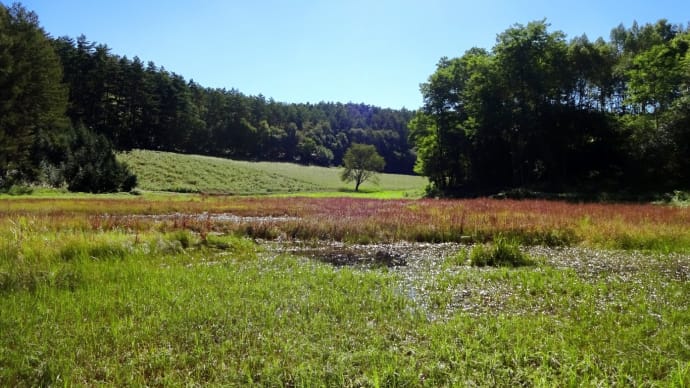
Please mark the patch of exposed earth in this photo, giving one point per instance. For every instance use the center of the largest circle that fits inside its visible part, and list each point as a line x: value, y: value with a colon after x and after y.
x: 427, y: 278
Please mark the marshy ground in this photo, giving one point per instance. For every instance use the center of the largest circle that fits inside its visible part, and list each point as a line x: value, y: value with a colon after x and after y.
x: 341, y: 292
x: 439, y: 278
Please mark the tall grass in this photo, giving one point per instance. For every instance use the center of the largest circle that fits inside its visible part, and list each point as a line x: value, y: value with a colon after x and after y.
x: 624, y: 226
x: 84, y: 312
x: 111, y: 307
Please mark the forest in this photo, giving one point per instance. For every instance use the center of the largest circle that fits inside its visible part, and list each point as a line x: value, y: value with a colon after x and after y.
x: 537, y: 112
x: 139, y: 105
x: 69, y: 104
x: 540, y: 112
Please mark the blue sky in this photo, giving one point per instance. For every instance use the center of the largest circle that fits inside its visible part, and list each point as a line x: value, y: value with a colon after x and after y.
x: 376, y: 52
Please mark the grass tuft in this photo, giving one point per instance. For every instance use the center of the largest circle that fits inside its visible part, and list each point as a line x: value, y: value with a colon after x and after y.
x: 80, y: 249
x: 184, y: 238
x: 239, y: 247
x: 503, y: 252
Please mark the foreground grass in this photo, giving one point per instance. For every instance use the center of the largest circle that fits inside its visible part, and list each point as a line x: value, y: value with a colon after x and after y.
x: 164, y: 171
x: 90, y: 306
x: 173, y: 290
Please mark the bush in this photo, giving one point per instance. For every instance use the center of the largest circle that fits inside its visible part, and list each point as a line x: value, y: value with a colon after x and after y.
x: 20, y: 190
x: 92, y: 167
x: 679, y: 198
x: 52, y: 175
x: 502, y: 253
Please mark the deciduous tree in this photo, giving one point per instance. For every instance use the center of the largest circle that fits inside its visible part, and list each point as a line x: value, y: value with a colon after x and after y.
x: 361, y: 163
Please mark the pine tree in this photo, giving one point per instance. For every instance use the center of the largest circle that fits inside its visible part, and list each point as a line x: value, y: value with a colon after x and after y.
x: 32, y: 97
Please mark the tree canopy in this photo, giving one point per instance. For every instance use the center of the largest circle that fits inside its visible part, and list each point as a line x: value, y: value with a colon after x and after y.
x: 37, y: 141
x: 32, y: 97
x: 361, y: 163
x: 539, y: 111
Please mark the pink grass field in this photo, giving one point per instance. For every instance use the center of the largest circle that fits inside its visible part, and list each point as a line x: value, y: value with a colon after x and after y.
x: 533, y: 222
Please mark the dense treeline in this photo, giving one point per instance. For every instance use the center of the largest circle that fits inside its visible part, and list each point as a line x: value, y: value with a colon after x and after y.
x: 66, y: 105
x: 543, y: 113
x: 37, y: 141
x: 139, y: 105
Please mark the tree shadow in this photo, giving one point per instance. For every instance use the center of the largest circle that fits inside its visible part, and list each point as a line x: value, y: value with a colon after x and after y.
x: 361, y: 191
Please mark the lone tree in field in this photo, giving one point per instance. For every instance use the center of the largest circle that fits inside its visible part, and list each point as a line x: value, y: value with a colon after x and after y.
x: 361, y: 162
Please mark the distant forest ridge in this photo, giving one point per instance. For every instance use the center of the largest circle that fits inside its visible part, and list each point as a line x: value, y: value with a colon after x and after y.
x: 144, y: 106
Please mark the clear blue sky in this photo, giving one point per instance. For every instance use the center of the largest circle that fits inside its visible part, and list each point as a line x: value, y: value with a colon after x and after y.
x: 371, y: 51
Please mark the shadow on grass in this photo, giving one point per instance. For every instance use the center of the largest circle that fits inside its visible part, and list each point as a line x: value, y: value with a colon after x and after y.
x: 361, y: 191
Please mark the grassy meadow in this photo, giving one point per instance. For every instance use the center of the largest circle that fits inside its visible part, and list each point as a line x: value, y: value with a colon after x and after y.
x: 214, y: 290
x: 164, y: 171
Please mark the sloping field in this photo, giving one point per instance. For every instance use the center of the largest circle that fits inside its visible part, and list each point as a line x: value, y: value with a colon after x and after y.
x: 165, y: 171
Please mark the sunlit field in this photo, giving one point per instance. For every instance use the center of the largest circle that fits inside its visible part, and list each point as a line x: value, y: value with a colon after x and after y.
x: 615, y: 226
x: 198, y: 290
x: 165, y: 171
x: 327, y: 252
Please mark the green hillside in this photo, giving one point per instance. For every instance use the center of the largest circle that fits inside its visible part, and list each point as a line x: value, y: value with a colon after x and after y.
x: 165, y: 171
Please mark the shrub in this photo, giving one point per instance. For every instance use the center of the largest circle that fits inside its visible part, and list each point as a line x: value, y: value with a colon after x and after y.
x: 502, y: 253
x: 680, y: 198
x: 20, y: 190
x: 91, y: 165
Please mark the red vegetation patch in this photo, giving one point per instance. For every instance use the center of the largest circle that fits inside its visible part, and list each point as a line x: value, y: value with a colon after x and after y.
x: 533, y: 222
